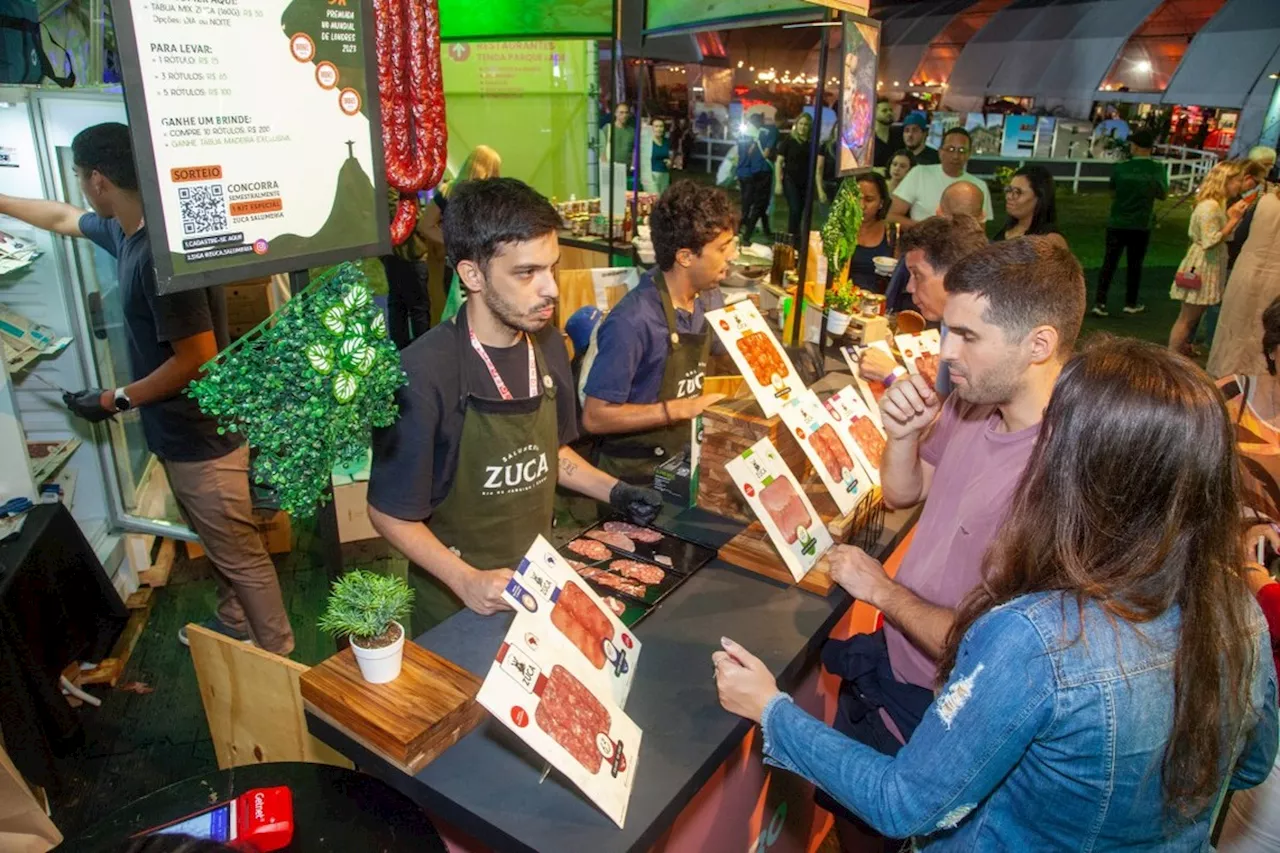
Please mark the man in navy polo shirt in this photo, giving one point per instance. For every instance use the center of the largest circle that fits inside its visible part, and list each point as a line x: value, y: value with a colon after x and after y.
x: 645, y: 382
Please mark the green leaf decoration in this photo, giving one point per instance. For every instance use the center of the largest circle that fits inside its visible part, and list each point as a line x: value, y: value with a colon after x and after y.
x: 356, y: 297
x: 840, y: 234
x: 334, y: 320
x: 344, y: 387
x: 320, y: 358
x: 272, y: 388
x: 350, y: 345
x: 363, y: 359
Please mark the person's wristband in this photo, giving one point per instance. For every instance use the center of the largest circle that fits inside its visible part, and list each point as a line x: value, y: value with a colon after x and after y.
x: 894, y: 375
x: 666, y: 413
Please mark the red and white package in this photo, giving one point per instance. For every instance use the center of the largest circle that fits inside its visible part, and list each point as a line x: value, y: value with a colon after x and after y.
x: 777, y: 499
x: 765, y: 365
x: 871, y: 391
x: 830, y: 449
x: 852, y: 418
x: 548, y: 685
x: 547, y: 588
x: 921, y: 354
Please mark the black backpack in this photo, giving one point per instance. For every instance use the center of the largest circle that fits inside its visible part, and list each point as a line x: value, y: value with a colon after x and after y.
x: 22, y: 56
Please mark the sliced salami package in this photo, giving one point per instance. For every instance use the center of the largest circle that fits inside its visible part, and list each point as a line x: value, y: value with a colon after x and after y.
x: 920, y: 353
x: 550, y: 701
x: 764, y: 363
x: 546, y: 587
x: 871, y: 391
x: 831, y: 450
x: 852, y: 418
x: 777, y: 499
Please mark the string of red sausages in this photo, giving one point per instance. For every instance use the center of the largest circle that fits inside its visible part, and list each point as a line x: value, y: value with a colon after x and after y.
x: 411, y: 93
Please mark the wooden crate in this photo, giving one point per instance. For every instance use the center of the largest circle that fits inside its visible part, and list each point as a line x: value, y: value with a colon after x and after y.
x: 409, y: 721
x: 273, y: 526
x: 729, y: 428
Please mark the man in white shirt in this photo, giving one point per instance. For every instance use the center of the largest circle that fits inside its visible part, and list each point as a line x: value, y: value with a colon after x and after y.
x: 918, y: 196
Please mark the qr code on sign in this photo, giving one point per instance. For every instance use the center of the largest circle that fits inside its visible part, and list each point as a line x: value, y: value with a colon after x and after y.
x: 203, y: 209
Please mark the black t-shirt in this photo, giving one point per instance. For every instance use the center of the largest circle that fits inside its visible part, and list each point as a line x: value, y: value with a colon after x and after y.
x: 927, y: 157
x: 415, y: 459
x: 885, y: 150
x: 795, y: 162
x: 176, y: 429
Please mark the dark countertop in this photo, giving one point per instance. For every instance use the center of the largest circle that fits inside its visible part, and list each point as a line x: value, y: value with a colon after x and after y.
x: 487, y: 784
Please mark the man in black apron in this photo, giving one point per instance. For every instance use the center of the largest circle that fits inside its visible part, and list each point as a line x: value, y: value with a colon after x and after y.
x: 481, y: 442
x: 645, y: 382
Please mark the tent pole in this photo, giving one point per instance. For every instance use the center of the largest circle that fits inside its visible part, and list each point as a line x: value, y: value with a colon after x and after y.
x: 806, y: 220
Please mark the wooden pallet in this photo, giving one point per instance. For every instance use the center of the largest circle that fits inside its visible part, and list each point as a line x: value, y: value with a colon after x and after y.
x: 158, y: 574
x: 110, y: 668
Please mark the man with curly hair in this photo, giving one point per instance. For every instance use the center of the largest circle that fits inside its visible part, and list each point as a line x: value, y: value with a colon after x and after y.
x: 644, y: 383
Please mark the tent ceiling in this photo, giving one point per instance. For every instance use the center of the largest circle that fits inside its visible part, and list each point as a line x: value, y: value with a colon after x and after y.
x: 1065, y: 52
x: 1229, y: 55
x: 982, y: 56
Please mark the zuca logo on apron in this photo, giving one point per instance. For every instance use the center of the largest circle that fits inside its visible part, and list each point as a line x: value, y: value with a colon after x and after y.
x: 634, y: 457
x: 690, y: 385
x: 520, y: 471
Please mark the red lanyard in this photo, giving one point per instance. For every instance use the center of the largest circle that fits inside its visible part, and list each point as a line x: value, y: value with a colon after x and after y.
x: 493, y: 371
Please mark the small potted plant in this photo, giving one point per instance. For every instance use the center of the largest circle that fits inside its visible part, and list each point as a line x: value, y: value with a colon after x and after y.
x: 842, y: 302
x: 366, y: 606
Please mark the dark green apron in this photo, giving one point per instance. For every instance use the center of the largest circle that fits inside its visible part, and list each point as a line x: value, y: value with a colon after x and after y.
x: 632, y: 458
x: 503, y: 490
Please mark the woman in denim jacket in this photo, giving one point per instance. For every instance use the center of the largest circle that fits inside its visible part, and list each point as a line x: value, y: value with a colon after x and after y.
x: 1111, y: 678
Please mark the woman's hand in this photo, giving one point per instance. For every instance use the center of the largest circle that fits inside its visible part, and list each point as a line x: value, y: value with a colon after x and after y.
x: 1251, y: 536
x: 744, y: 683
x: 1238, y: 210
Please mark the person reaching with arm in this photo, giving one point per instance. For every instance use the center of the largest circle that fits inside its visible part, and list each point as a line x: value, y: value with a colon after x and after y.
x: 171, y: 337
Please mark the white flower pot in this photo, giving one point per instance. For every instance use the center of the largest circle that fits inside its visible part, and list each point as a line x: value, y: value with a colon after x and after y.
x: 378, y: 666
x: 837, y: 322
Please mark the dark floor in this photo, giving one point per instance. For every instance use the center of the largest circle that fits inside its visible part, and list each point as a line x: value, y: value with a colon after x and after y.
x: 138, y: 742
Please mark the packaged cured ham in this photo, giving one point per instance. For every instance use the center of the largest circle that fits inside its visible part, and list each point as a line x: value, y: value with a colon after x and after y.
x: 777, y: 499
x: 764, y: 363
x: 551, y: 702
x: 831, y: 450
x: 852, y: 419
x: 920, y: 353
x: 545, y: 587
x: 871, y: 391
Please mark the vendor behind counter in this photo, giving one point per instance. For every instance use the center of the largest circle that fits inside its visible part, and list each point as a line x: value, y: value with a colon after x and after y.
x: 644, y: 375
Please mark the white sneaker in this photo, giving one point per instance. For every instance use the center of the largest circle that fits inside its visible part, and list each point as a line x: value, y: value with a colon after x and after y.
x: 1099, y: 311
x: 1134, y: 309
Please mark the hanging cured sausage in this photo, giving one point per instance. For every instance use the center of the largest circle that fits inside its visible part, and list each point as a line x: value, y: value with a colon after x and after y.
x: 411, y: 93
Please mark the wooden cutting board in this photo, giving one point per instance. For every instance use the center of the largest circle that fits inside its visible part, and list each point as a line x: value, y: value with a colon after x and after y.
x: 409, y: 721
x: 752, y: 549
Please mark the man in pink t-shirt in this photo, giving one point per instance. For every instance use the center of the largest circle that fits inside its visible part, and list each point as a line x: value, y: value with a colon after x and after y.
x: 1013, y: 311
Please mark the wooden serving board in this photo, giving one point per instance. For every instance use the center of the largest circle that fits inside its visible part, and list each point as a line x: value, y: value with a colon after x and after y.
x: 753, y: 550
x: 409, y: 721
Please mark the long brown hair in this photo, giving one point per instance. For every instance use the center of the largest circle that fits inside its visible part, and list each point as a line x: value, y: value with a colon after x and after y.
x: 1128, y: 501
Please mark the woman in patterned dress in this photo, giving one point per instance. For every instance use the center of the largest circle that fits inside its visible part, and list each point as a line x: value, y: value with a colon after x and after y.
x: 1211, y: 224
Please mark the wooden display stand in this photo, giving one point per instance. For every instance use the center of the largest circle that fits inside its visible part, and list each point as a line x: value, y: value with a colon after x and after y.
x: 728, y: 428
x: 409, y: 721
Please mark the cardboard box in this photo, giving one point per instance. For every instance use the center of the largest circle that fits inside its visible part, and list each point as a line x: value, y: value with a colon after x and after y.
x: 273, y: 526
x: 351, y: 503
x: 248, y: 303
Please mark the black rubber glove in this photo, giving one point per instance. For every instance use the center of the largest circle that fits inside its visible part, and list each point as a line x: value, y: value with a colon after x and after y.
x: 640, y: 504
x: 87, y: 404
